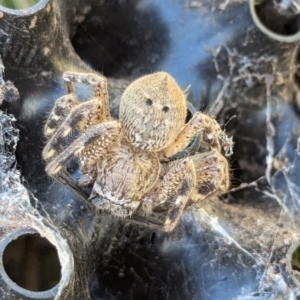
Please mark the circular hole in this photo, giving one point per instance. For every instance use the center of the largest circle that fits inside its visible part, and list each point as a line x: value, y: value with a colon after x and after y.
x: 17, y: 4
x: 32, y: 262
x: 278, y: 19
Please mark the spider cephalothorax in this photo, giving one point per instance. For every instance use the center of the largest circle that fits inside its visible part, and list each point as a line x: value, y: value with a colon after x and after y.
x: 127, y: 161
x: 150, y: 117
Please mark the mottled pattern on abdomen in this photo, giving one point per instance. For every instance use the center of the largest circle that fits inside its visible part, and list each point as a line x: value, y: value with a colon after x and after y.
x: 127, y: 173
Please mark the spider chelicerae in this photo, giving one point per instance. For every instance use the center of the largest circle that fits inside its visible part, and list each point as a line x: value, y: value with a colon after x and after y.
x: 129, y: 163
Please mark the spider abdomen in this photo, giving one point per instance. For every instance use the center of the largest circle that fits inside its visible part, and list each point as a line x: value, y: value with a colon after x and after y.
x: 125, y: 174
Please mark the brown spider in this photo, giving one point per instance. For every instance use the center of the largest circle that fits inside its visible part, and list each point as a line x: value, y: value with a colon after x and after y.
x: 127, y: 161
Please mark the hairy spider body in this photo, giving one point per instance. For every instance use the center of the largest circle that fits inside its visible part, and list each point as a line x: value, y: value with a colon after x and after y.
x: 124, y: 174
x: 157, y: 104
x: 128, y: 161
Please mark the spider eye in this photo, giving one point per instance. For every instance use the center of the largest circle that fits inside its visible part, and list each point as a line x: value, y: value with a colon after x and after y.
x: 149, y: 102
x: 165, y: 109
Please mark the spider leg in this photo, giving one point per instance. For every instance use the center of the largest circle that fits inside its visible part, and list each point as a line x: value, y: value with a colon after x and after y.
x: 99, y: 84
x: 212, y: 176
x: 60, y: 111
x: 64, y: 104
x: 179, y: 181
x: 212, y: 173
x: 104, y: 133
x: 66, y: 179
x: 212, y: 134
x: 78, y: 114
